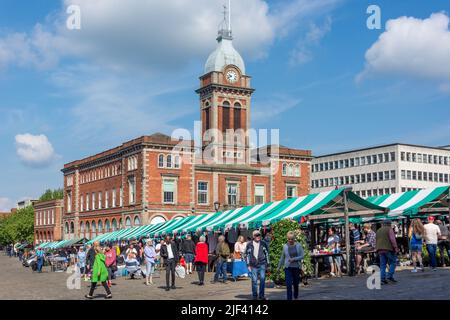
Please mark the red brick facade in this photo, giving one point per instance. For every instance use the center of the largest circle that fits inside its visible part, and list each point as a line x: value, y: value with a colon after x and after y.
x: 47, y: 221
x: 166, y: 188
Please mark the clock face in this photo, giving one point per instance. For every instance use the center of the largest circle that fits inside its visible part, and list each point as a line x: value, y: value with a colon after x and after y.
x: 232, y: 76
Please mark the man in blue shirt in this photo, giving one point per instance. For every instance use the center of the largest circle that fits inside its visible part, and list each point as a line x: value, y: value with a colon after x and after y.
x: 40, y: 259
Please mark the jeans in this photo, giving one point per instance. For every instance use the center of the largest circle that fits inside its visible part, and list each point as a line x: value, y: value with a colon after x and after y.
x: 261, y: 272
x: 292, y: 276
x: 170, y: 269
x: 150, y: 268
x: 444, y: 246
x: 431, y: 248
x: 387, y: 257
x: 221, y: 268
x: 40, y: 263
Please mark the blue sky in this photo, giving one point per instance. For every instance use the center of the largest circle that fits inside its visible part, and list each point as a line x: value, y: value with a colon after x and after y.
x: 321, y: 76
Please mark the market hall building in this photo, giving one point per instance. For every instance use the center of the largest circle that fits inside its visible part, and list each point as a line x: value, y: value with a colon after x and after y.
x: 143, y: 181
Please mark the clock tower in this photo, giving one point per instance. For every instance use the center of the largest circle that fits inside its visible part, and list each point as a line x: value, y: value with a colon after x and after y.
x: 225, y: 100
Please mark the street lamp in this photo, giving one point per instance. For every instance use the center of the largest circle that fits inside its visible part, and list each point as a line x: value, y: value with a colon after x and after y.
x: 216, y: 206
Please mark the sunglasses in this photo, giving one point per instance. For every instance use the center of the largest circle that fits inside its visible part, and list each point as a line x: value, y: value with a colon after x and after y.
x: 257, y: 235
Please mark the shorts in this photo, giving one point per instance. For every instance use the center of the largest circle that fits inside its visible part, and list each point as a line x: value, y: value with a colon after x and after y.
x: 365, y: 249
x: 189, y: 257
x: 416, y: 247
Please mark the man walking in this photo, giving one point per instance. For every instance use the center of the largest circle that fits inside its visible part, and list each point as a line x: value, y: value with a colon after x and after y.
x: 432, y: 233
x: 257, y: 256
x: 222, y: 253
x: 387, y: 250
x: 169, y: 252
x: 40, y: 259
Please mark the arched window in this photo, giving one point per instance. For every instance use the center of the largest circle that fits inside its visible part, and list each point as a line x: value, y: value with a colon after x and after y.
x: 82, y: 234
x: 94, y: 229
x: 66, y: 228
x: 100, y: 227
x: 225, y: 116
x: 72, y: 227
x: 237, y: 105
x: 161, y: 161
x: 114, y: 224
x: 137, y: 221
x: 297, y: 170
x: 284, y: 169
x: 177, y: 162
x: 107, y: 226
x: 291, y: 170
x: 157, y: 219
x: 88, y: 230
x: 169, y: 161
x: 120, y: 223
x: 127, y: 223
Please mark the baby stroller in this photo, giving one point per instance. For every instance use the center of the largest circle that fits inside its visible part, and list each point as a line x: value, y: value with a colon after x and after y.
x: 134, y: 270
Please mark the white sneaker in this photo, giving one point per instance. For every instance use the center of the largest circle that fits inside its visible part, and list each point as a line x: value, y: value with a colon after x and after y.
x: 414, y: 270
x: 332, y: 274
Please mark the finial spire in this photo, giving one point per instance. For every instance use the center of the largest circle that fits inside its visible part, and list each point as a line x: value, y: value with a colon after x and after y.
x: 225, y: 27
x: 229, y: 15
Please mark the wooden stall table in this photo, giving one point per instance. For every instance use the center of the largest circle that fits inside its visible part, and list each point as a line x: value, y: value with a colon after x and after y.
x: 320, y: 256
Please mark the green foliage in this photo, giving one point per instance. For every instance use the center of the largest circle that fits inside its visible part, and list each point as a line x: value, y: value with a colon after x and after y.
x: 19, y: 226
x: 52, y: 195
x: 279, y: 232
x: 426, y: 258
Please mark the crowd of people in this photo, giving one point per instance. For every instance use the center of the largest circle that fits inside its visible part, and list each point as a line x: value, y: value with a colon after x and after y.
x: 212, y: 252
x: 380, y: 240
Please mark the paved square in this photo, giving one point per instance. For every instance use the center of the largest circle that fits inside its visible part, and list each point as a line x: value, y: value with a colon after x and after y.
x: 17, y: 282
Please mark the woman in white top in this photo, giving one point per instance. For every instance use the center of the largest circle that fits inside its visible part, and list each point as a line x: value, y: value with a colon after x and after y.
x: 239, y: 247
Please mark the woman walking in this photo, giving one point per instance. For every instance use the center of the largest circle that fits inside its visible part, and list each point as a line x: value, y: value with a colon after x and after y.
x: 99, y: 274
x: 291, y: 259
x: 110, y: 263
x: 150, y: 255
x: 81, y: 262
x: 416, y: 234
x: 201, y: 259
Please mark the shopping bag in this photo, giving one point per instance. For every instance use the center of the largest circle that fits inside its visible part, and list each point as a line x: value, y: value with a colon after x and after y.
x: 180, y: 272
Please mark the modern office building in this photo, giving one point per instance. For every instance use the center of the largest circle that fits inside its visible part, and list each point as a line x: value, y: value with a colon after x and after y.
x: 382, y: 169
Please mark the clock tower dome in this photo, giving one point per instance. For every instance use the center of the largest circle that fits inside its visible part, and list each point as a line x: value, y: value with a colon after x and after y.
x: 225, y: 99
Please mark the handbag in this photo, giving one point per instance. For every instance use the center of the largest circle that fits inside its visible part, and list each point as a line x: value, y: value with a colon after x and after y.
x: 180, y: 271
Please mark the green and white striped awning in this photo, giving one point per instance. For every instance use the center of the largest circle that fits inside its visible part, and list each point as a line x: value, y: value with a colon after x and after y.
x: 327, y: 204
x: 412, y: 202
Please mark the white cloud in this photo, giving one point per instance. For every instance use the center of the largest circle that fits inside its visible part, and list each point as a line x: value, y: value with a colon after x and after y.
x: 34, y: 150
x: 5, y: 204
x: 272, y: 107
x: 412, y: 47
x: 154, y: 35
x: 303, y: 52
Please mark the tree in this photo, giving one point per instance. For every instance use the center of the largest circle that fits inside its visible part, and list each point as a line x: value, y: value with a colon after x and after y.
x: 52, y: 195
x: 18, y: 227
x: 279, y: 232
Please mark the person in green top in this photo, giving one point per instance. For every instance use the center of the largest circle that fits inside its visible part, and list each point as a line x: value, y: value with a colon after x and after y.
x: 99, y: 274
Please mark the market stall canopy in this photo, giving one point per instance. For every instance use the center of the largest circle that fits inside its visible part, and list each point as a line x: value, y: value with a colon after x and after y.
x: 432, y: 200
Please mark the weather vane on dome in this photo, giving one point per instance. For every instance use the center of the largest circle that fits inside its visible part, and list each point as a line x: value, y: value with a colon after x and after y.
x: 225, y: 26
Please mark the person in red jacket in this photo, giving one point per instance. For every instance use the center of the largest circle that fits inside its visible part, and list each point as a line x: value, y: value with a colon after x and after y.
x: 201, y: 259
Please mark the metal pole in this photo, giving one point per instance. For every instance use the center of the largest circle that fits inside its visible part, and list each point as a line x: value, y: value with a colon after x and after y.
x: 347, y: 233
